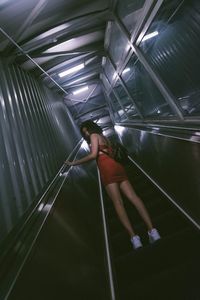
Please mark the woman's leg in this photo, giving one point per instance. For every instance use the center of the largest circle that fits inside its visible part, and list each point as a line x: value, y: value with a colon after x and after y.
x: 114, y: 194
x: 129, y: 192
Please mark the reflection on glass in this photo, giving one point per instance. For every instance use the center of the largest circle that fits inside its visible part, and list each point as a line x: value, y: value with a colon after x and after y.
x: 129, y: 12
x: 150, y: 35
x: 174, y: 52
x: 118, y: 113
x: 126, y: 70
x: 105, y: 83
x: 84, y: 145
x: 109, y: 71
x: 127, y: 103
x: 119, y: 129
x: 118, y: 47
x: 144, y: 92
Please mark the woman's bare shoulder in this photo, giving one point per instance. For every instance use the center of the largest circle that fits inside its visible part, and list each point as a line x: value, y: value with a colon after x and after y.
x: 99, y: 137
x: 94, y: 137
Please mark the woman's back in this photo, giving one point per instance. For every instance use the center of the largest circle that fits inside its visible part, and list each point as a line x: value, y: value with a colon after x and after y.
x: 102, y: 140
x: 103, y: 143
x: 110, y: 170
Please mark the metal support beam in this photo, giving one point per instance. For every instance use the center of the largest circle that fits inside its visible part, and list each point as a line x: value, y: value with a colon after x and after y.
x: 56, y: 66
x: 113, y: 5
x: 33, y: 61
x: 146, y: 11
x: 171, y: 100
x: 169, y: 97
x: 71, y: 35
x: 137, y: 38
x: 90, y: 81
x: 76, y: 24
x: 125, y: 87
x: 117, y: 97
x: 109, y: 104
x: 141, y: 21
x: 90, y: 111
x: 29, y: 20
x: 64, y: 53
x: 86, y: 100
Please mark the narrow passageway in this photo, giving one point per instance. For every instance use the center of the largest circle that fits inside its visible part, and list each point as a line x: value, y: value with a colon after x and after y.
x: 131, y: 67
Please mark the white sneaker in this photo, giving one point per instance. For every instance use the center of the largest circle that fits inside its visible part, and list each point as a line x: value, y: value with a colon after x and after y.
x: 136, y: 242
x: 153, y: 235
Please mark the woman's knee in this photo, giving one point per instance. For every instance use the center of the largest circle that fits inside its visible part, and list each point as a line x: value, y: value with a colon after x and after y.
x: 117, y: 202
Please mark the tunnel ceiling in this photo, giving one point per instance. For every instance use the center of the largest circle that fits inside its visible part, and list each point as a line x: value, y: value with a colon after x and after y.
x: 59, y: 35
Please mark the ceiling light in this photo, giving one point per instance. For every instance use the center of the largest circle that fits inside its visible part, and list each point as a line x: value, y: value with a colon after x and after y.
x: 126, y: 70
x: 79, y: 79
x: 149, y: 36
x: 116, y: 74
x: 85, y: 88
x: 72, y: 70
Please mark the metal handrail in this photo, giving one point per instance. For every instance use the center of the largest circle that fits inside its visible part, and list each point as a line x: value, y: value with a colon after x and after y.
x: 50, y: 186
x: 165, y: 193
x: 22, y: 263
x: 173, y: 135
x: 157, y: 123
x: 108, y: 256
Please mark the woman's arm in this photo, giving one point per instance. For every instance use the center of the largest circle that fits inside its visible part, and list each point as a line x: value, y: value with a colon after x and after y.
x: 91, y: 156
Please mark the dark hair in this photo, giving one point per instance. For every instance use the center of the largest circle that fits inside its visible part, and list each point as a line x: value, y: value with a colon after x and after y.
x: 91, y: 128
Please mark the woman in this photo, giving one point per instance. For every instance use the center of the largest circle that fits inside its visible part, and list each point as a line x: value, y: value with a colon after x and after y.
x: 115, y: 180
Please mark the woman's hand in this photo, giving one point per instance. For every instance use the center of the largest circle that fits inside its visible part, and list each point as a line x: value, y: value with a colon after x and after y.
x: 91, y: 156
x: 69, y: 163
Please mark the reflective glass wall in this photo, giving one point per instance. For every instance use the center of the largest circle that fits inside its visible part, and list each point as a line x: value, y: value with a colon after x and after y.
x: 152, y: 63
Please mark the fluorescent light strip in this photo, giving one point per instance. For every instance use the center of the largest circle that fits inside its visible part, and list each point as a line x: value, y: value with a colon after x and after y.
x: 126, y: 70
x: 149, y: 36
x: 85, y: 88
x: 72, y: 70
x: 77, y: 80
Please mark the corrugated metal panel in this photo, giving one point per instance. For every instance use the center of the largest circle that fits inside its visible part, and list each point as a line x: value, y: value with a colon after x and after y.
x: 174, y: 53
x: 37, y: 133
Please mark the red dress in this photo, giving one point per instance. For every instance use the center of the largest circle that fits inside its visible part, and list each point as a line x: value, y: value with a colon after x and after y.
x: 110, y: 170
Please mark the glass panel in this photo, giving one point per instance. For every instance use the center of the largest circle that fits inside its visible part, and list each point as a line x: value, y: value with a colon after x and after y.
x: 118, y: 47
x: 105, y: 83
x: 119, y: 113
x: 143, y: 90
x: 129, y: 12
x: 127, y: 103
x: 109, y: 71
x: 174, y: 51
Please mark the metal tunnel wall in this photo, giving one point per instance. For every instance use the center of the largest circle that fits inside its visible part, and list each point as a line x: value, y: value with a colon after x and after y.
x: 37, y: 133
x: 171, y: 160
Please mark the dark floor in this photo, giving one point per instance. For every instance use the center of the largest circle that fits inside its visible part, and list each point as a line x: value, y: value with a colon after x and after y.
x: 168, y: 269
